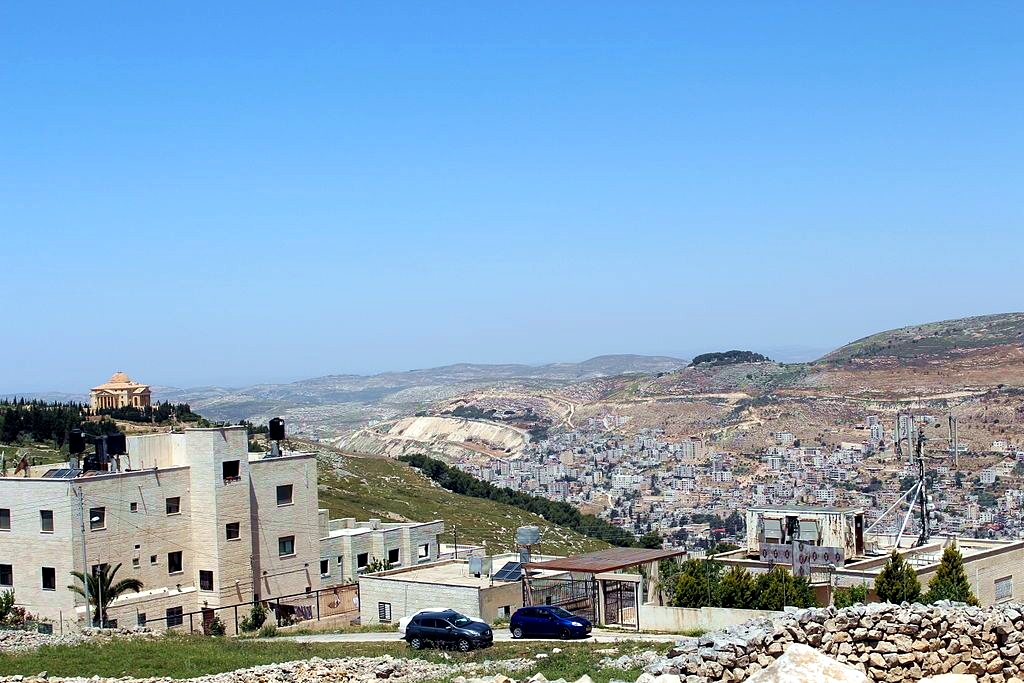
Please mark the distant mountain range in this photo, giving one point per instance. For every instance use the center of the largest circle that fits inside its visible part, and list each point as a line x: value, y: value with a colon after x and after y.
x: 337, y: 402
x: 325, y: 406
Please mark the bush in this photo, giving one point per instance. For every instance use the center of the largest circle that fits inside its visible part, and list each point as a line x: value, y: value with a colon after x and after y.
x: 255, y: 620
x: 268, y: 630
x: 215, y: 627
x: 846, y: 597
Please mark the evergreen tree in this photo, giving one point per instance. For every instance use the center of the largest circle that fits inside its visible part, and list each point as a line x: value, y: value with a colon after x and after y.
x: 698, y: 584
x: 777, y: 588
x: 737, y: 589
x: 897, y: 582
x: 103, y: 590
x: 950, y: 581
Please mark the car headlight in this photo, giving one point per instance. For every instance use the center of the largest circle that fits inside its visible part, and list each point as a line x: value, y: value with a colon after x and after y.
x: 575, y: 623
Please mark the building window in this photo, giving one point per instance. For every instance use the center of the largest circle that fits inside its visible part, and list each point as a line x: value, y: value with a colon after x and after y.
x: 205, y: 580
x: 284, y: 494
x: 46, y: 521
x: 140, y: 618
x: 133, y: 507
x: 341, y: 563
x: 362, y: 559
x: 174, y: 616
x: 152, y: 559
x: 174, y: 562
x: 97, y: 518
x: 423, y: 553
x: 173, y: 505
x: 384, y: 612
x: 325, y: 567
x: 394, y: 555
x: 286, y: 546
x: 5, y: 519
x: 1004, y: 589
x: 231, y: 470
x: 136, y: 562
x: 49, y: 579
x: 233, y: 531
x: 6, y: 575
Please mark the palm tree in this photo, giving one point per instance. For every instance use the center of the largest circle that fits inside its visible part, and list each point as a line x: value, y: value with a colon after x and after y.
x: 102, y: 588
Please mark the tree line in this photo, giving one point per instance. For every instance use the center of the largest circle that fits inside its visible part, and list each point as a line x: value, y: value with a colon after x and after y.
x: 556, y: 512
x: 24, y: 421
x: 706, y: 583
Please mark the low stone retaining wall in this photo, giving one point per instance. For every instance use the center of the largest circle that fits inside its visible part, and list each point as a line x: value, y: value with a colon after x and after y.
x: 889, y: 643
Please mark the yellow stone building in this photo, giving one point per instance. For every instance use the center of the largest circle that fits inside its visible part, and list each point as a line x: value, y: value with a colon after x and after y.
x: 119, y: 392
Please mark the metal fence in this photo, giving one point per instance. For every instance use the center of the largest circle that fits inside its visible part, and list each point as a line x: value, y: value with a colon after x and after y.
x: 578, y: 596
x: 283, y: 610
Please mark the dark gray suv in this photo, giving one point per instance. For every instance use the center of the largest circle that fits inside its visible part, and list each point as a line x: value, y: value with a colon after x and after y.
x: 447, y: 628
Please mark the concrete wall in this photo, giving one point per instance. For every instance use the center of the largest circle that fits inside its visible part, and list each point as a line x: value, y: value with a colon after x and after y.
x: 681, y: 619
x: 406, y: 598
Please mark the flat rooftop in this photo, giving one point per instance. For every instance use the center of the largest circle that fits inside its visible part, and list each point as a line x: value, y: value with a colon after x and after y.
x: 609, y: 560
x: 806, y: 508
x: 448, y: 572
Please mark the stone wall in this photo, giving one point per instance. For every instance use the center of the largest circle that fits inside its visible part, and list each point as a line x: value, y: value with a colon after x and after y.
x: 887, y: 642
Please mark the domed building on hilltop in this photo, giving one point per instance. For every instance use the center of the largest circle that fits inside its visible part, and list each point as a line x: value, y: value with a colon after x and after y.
x: 120, y: 391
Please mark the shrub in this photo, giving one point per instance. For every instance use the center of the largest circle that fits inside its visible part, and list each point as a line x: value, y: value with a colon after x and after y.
x: 268, y: 630
x: 215, y: 627
x: 255, y: 620
x: 845, y: 597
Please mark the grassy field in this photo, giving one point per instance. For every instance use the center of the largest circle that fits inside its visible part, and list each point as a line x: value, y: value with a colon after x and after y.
x: 189, y: 656
x: 378, y: 487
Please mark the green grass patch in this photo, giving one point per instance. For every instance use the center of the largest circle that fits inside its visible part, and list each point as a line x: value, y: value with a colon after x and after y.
x: 189, y: 656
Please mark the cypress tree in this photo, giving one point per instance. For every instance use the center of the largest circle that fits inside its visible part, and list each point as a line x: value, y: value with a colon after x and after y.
x: 950, y: 581
x: 897, y: 582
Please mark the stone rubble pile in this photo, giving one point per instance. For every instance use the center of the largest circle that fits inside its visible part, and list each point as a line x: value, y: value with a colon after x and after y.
x: 340, y: 670
x: 889, y: 643
x: 22, y: 641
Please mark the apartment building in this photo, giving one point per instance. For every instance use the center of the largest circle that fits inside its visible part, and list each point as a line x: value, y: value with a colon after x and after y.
x: 348, y: 547
x: 198, y: 519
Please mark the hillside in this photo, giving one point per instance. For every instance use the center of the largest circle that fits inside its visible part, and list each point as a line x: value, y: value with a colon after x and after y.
x: 327, y: 406
x: 936, y: 340
x: 375, y: 487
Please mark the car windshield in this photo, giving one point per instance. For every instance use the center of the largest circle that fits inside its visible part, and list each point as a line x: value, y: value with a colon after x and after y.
x: 561, y: 613
x: 457, y: 619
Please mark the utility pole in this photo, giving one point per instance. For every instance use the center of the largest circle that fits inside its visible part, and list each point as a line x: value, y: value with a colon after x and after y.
x: 85, y: 560
x: 455, y: 530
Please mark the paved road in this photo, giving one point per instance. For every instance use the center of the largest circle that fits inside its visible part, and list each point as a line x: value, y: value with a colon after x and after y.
x: 500, y: 635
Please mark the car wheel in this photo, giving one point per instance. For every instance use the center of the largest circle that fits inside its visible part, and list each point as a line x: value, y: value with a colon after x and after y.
x: 416, y: 643
x: 464, y: 645
x: 517, y: 632
x: 564, y: 634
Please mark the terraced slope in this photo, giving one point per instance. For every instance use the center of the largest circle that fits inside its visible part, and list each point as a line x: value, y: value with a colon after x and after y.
x: 377, y: 487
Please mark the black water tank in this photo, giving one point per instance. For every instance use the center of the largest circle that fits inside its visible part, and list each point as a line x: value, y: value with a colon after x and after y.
x: 277, y: 429
x: 116, y: 444
x: 76, y: 442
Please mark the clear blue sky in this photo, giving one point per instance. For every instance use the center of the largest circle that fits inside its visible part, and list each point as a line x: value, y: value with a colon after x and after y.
x: 226, y: 193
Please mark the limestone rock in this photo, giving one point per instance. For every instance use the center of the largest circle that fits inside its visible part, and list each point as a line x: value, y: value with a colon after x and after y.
x: 803, y: 664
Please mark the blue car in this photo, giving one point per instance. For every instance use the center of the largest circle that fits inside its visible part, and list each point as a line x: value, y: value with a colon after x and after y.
x: 548, y: 620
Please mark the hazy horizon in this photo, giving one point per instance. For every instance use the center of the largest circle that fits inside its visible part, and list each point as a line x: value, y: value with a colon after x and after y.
x: 227, y: 193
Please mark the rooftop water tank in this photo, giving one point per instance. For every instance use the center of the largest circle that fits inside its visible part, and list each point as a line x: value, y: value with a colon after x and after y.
x: 528, y: 535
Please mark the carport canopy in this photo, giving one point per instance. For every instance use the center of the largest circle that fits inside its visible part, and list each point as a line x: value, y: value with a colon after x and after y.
x: 602, y: 561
